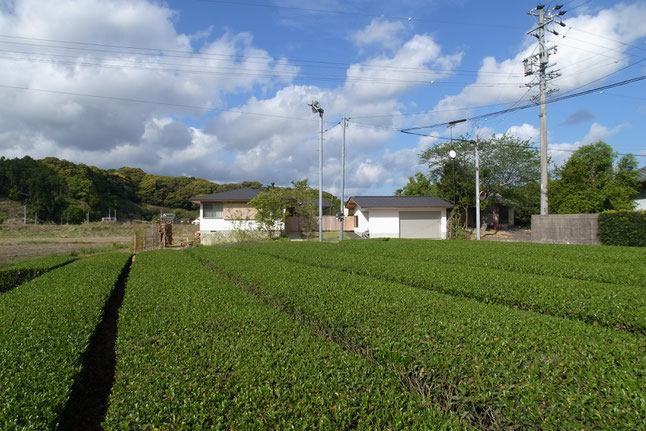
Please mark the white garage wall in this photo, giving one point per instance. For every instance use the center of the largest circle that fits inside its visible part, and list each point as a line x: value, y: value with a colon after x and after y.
x: 384, y: 222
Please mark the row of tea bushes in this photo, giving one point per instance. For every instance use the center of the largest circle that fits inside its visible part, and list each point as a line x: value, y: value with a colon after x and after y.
x: 496, y: 367
x: 616, y: 306
x: 14, y: 275
x: 195, y: 351
x: 45, y: 328
x: 617, y: 266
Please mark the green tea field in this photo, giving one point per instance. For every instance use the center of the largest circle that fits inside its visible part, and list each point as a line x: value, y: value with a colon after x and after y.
x: 376, y: 334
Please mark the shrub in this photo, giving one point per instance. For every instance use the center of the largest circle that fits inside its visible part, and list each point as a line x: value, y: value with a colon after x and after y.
x: 623, y: 228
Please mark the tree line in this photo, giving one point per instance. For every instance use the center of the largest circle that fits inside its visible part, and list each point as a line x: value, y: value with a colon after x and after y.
x: 55, y: 189
x: 592, y: 180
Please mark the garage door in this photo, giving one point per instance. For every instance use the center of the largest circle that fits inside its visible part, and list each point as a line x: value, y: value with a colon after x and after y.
x: 420, y: 224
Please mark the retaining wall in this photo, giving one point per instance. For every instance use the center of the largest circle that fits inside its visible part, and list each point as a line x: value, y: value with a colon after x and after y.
x: 566, y: 228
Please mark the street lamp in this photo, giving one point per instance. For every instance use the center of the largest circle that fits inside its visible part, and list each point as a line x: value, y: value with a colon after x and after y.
x: 316, y: 109
x: 453, y: 155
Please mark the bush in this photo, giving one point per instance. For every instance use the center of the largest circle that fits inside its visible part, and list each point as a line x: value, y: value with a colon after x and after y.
x: 623, y: 228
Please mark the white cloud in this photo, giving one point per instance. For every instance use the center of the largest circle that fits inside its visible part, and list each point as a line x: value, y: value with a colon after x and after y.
x: 592, y: 47
x: 524, y: 132
x: 379, y: 32
x: 560, y: 152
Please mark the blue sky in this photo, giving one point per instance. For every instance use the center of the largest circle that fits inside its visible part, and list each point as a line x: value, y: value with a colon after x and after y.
x: 219, y: 89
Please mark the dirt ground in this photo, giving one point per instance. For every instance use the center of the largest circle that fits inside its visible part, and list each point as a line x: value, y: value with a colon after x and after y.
x: 508, y: 235
x: 19, y: 241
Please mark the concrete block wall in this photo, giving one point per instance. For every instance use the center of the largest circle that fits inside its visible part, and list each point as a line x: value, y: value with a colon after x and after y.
x: 566, y: 228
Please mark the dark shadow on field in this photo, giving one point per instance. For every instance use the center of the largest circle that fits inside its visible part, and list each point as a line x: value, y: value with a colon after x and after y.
x: 88, y: 401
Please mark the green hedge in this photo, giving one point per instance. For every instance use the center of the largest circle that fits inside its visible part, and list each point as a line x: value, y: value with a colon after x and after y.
x: 623, y: 228
x: 21, y: 272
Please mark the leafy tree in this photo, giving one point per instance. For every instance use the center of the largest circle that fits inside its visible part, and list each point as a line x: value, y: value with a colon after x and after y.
x: 418, y: 185
x: 509, y: 172
x: 589, y: 182
x: 271, y: 209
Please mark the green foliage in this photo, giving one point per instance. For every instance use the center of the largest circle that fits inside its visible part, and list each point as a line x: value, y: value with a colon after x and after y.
x: 509, y: 172
x: 589, y: 183
x: 583, y: 295
x: 21, y: 272
x: 455, y: 227
x: 53, y: 188
x: 494, y: 366
x: 45, y: 327
x: 195, y: 351
x: 623, y: 228
x: 418, y: 185
x: 271, y: 207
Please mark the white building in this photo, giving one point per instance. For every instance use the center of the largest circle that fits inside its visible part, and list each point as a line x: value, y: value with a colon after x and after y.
x: 641, y: 199
x: 224, y: 212
x: 400, y: 216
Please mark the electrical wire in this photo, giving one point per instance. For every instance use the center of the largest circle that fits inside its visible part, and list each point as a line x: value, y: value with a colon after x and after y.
x: 161, y: 53
x: 357, y: 13
x: 177, y: 105
x: 530, y: 105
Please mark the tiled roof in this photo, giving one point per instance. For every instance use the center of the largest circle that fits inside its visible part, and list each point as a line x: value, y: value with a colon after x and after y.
x: 398, y: 202
x: 245, y: 194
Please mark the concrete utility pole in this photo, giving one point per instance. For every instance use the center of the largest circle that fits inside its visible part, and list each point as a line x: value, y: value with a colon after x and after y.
x: 541, y: 61
x: 342, y: 215
x: 477, y: 187
x: 316, y: 109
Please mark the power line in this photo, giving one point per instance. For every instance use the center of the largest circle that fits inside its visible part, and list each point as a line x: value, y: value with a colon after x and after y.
x: 529, y: 105
x: 357, y: 13
x: 177, y: 105
x: 287, y: 74
x: 161, y: 53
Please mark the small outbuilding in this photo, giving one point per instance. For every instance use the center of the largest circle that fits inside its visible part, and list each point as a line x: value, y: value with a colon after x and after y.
x: 641, y: 199
x: 421, y: 217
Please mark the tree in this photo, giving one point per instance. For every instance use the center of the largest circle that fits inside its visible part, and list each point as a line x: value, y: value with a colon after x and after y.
x: 418, y: 185
x: 271, y: 209
x: 589, y: 182
x: 509, y: 172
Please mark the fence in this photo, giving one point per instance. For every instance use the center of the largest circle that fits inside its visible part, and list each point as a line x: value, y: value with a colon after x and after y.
x: 330, y: 223
x: 152, y: 236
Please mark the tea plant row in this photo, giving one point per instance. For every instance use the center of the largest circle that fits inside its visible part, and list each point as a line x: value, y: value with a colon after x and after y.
x: 616, y: 306
x: 494, y: 366
x: 195, y: 351
x: 45, y: 328
x: 21, y: 272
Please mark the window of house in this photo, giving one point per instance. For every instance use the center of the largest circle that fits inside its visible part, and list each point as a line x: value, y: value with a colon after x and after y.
x: 212, y: 210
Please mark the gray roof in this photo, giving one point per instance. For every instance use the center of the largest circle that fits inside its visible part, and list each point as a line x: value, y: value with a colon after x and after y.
x: 398, y: 201
x: 642, y: 174
x: 245, y: 194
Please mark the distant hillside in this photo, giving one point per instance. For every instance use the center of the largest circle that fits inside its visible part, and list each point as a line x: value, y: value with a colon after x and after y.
x: 55, y: 189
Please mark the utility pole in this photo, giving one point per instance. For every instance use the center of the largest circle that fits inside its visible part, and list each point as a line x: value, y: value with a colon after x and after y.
x: 539, y: 63
x: 342, y: 215
x: 477, y: 187
x: 24, y: 220
x: 316, y: 109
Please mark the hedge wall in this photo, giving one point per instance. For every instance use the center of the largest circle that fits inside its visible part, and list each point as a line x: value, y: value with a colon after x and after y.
x: 623, y: 228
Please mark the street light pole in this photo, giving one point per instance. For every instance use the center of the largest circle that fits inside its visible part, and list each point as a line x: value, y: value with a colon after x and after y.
x: 316, y: 109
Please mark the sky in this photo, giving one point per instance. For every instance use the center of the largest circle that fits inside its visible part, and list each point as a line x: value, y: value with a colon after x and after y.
x: 220, y: 89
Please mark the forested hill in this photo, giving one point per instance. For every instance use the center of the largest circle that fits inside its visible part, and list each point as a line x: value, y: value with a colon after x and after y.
x: 57, y: 189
